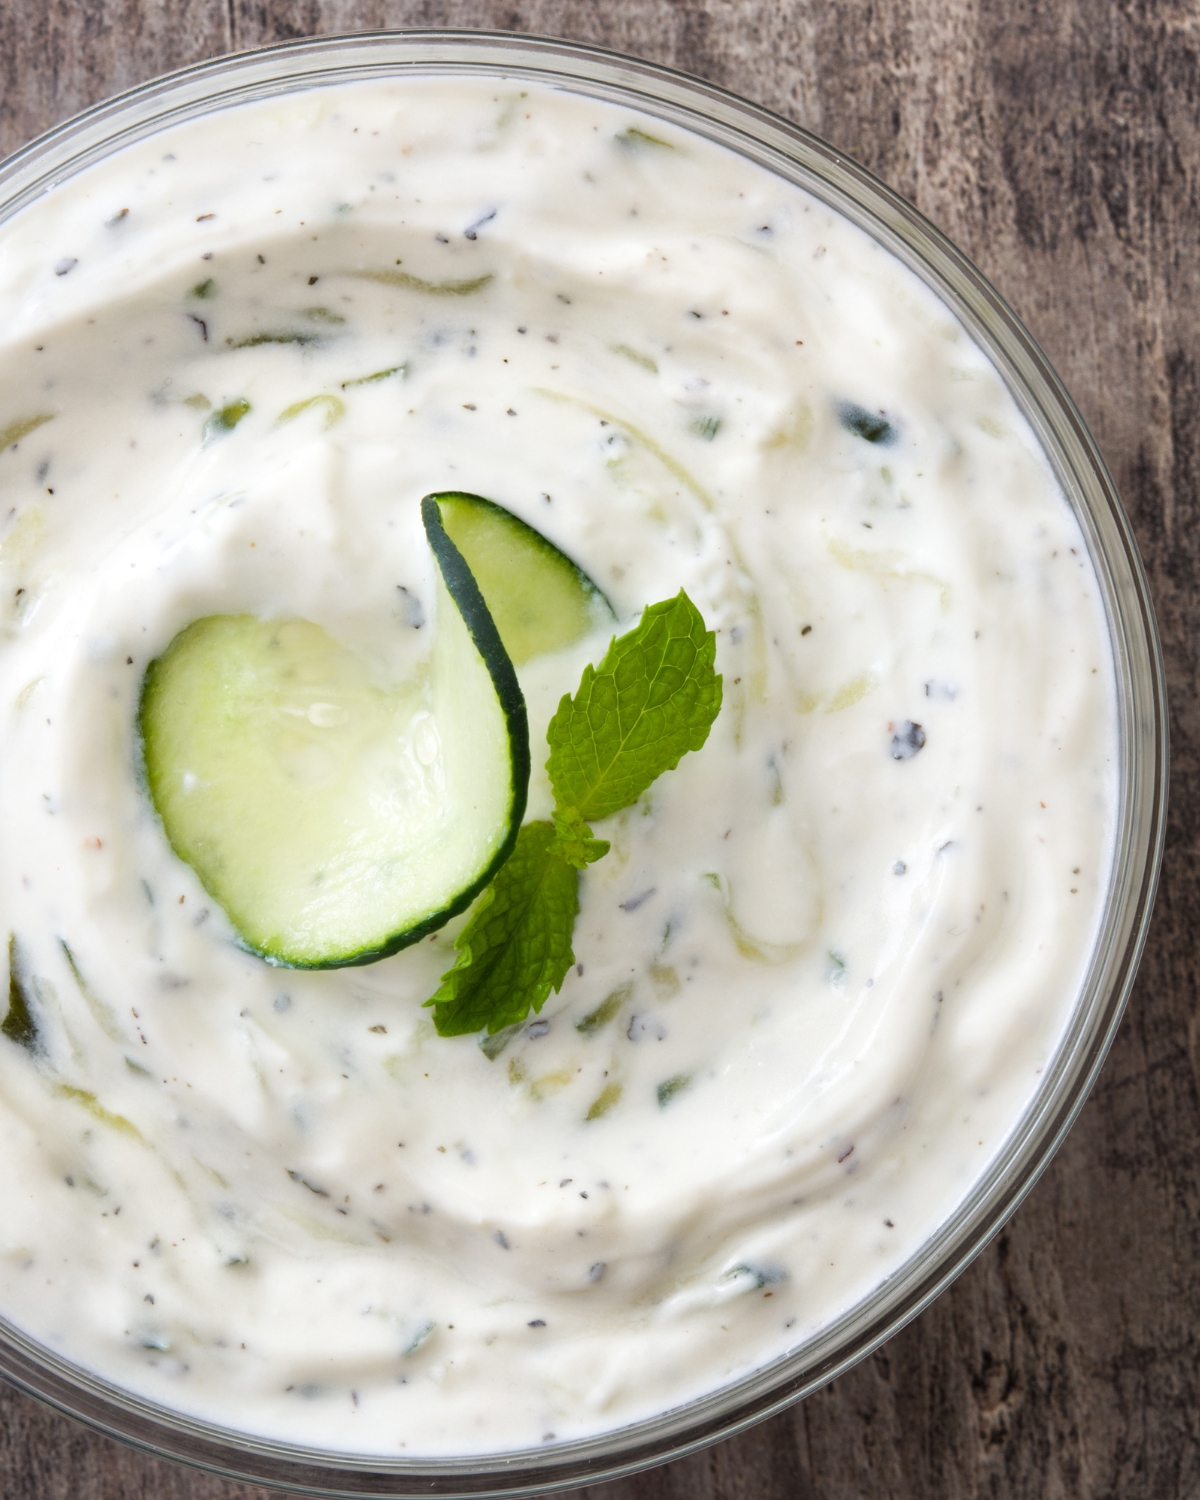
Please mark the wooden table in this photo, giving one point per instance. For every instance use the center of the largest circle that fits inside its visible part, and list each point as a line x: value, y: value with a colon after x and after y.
x: 1058, y: 144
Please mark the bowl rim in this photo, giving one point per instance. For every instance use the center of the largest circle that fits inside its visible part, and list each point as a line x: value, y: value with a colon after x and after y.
x: 767, y: 138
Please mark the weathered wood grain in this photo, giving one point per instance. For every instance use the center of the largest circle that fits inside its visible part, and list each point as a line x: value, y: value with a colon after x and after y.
x: 1059, y: 144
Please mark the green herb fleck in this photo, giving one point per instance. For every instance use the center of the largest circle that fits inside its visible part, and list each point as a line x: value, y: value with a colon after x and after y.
x: 604, y: 1101
x: 203, y: 290
x: 335, y: 409
x: 418, y: 1339
x: 706, y: 427
x: 18, y: 1024
x: 22, y: 427
x: 304, y: 1182
x: 493, y: 1044
x: 253, y: 340
x: 226, y: 418
x: 639, y: 359
x: 756, y: 1276
x: 97, y: 1110
x: 431, y: 288
x: 323, y: 315
x: 671, y: 1088
x: 873, y: 426
x: 653, y: 698
x: 665, y: 977
x: 376, y: 376
x: 633, y: 139
x: 606, y: 1011
x: 102, y: 1012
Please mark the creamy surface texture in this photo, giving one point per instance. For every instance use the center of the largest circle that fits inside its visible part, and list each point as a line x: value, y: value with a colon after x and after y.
x: 829, y: 956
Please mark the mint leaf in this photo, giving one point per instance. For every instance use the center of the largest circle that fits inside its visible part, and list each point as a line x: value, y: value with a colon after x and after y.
x: 574, y: 839
x: 653, y: 698
x: 517, y: 946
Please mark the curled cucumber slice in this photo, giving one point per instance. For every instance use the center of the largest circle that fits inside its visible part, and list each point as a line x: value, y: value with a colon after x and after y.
x: 540, y: 600
x: 334, y: 821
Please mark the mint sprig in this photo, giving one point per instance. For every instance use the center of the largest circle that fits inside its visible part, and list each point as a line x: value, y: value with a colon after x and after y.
x: 517, y: 945
x: 653, y: 698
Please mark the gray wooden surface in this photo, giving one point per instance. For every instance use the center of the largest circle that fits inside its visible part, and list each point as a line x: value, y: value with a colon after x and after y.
x: 1058, y: 143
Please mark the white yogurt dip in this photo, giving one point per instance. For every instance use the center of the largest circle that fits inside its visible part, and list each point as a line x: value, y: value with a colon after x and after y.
x: 823, y: 967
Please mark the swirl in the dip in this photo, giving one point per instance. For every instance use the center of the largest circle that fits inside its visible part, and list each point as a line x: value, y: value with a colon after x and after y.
x: 822, y: 966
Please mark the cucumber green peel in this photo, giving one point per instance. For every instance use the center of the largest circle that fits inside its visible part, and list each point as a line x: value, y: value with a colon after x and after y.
x: 540, y: 600
x: 335, y: 822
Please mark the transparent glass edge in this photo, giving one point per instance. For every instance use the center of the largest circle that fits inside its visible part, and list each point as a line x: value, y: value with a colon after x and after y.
x: 1080, y: 470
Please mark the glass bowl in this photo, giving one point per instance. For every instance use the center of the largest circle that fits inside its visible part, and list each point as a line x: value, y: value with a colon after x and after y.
x: 800, y: 158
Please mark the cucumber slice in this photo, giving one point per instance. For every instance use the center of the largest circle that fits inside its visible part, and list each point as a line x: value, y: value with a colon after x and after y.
x: 540, y: 600
x: 336, y: 822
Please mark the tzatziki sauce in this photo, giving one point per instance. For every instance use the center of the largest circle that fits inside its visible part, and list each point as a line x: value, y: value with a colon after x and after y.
x: 829, y: 956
